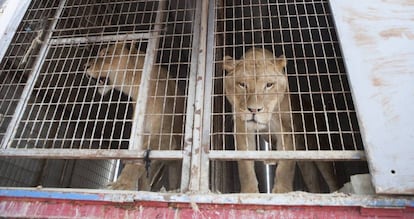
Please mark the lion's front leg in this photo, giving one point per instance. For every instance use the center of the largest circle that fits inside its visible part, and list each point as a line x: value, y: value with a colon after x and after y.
x: 328, y: 173
x: 310, y: 175
x: 128, y: 180
x: 285, y: 170
x: 247, y: 174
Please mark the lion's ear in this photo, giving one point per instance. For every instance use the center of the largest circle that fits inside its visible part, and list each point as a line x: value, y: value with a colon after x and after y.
x: 281, y: 61
x: 228, y: 63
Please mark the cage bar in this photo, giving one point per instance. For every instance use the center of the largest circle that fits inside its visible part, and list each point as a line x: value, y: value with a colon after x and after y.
x: 30, y: 83
x: 140, y: 111
x: 304, y: 32
x: 63, y: 116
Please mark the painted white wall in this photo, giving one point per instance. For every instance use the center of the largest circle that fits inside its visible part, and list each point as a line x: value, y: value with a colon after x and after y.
x: 377, y: 39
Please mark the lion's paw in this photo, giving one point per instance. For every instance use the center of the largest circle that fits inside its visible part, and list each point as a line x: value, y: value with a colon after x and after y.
x: 250, y: 189
x: 281, y: 189
x: 123, y: 185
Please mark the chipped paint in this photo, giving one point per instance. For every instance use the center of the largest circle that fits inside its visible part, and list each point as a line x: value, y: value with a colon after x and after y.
x: 378, y: 82
x: 400, y: 32
x: 175, y: 199
x: 67, y: 209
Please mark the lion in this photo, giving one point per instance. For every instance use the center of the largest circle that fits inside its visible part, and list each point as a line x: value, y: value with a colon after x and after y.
x: 256, y: 87
x: 118, y: 67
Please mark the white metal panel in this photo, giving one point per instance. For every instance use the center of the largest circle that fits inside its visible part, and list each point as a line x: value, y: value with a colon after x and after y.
x: 377, y: 39
x: 11, y: 12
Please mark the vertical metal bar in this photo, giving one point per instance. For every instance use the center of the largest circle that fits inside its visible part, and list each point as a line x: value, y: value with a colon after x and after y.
x: 136, y: 140
x: 199, y: 160
x: 24, y: 99
x: 265, y: 172
x: 188, y: 135
x: 208, y: 23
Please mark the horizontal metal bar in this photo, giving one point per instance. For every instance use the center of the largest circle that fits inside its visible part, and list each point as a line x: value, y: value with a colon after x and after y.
x: 287, y: 155
x: 90, y: 154
x: 173, y: 154
x: 100, y: 39
x: 293, y: 198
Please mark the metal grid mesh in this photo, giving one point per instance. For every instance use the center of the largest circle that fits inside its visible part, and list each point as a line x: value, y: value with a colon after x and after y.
x: 320, y: 100
x: 49, y: 102
x: 65, y: 109
x: 19, y: 172
x: 96, y: 18
x: 17, y: 62
x: 77, y: 113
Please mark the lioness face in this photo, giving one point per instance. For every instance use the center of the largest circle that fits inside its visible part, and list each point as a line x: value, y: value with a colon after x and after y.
x: 103, y: 69
x: 255, y: 85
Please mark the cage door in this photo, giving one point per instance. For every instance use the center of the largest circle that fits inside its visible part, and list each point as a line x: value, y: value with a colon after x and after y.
x: 378, y: 51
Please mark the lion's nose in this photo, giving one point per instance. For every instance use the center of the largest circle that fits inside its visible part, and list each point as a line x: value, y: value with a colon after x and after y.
x: 255, y: 110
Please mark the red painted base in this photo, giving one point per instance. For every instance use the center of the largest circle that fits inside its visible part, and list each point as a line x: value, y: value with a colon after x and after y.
x: 34, y: 207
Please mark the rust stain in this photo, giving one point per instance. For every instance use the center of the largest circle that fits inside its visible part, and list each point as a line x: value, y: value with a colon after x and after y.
x: 385, y: 101
x: 378, y: 82
x: 362, y: 38
x: 369, y: 14
x: 388, y: 109
x: 397, y: 33
x: 206, y: 148
x: 401, y: 2
x: 394, y: 119
x: 360, y: 35
x: 393, y: 65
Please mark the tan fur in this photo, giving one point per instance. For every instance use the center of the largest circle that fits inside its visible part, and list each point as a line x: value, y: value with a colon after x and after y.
x: 256, y: 86
x: 122, y: 68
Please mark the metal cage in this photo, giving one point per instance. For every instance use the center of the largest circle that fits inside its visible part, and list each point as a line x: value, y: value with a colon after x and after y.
x: 320, y: 98
x: 50, y: 109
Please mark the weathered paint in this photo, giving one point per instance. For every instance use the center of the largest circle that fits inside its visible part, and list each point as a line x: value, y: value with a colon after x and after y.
x: 377, y: 39
x: 288, y: 199
x: 72, y: 203
x: 19, y: 207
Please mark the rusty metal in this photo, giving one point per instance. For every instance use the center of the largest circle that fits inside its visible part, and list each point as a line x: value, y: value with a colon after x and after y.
x: 242, y: 200
x: 187, y: 173
x: 20, y: 207
x: 199, y: 163
x: 133, y: 154
x: 138, y: 128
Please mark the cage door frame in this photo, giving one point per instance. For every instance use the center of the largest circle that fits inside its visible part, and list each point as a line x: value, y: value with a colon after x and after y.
x: 24, y: 99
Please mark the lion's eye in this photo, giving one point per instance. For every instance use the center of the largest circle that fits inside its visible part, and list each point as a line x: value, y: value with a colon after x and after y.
x: 269, y: 85
x: 242, y: 85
